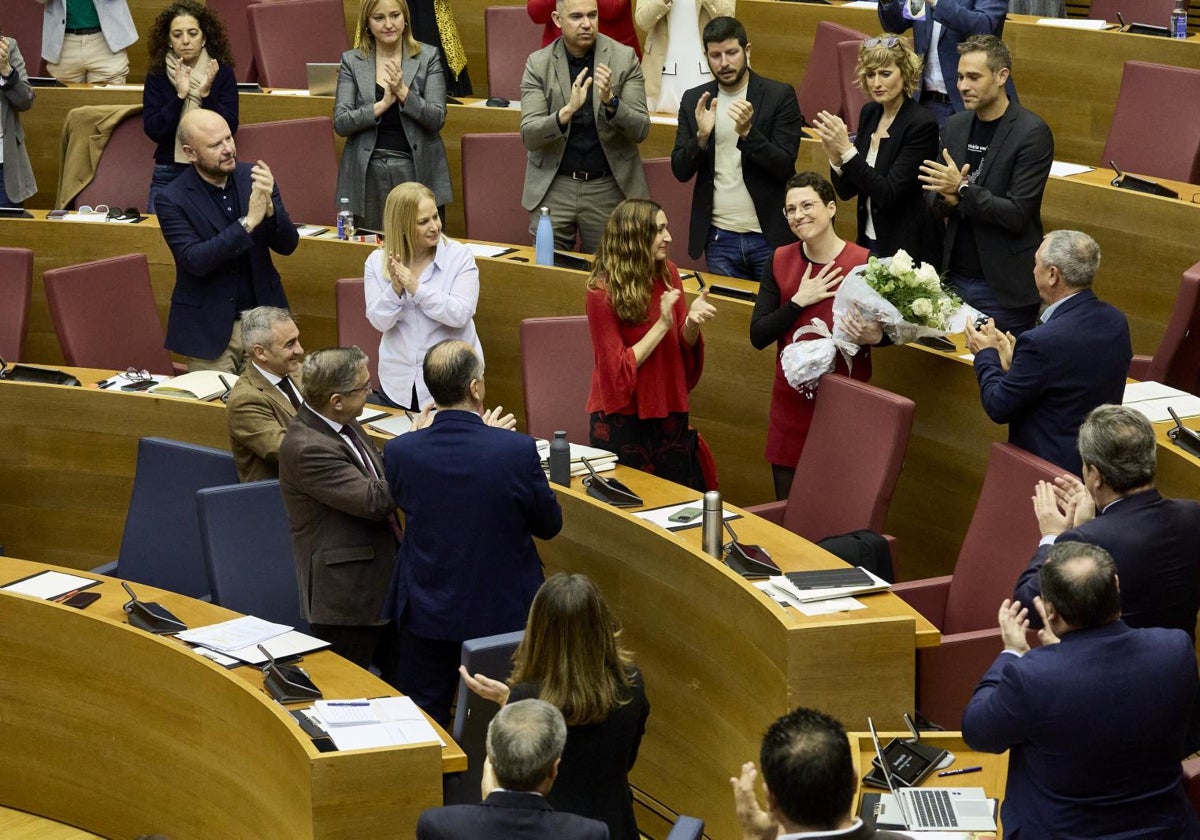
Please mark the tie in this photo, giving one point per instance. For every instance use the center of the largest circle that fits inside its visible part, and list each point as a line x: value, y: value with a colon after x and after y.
x: 456, y: 58
x: 356, y: 442
x: 289, y: 391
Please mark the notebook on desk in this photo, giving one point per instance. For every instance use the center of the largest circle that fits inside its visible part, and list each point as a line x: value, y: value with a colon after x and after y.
x: 930, y: 809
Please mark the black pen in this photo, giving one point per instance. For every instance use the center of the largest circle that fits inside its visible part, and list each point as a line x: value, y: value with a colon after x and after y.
x: 108, y: 383
x: 959, y: 772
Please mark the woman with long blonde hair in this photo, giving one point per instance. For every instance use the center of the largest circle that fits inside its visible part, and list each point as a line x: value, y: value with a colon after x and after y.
x: 421, y: 288
x: 571, y: 657
x: 647, y: 346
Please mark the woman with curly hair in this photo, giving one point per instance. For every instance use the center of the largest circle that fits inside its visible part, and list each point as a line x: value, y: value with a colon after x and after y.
x: 191, y: 66
x: 647, y: 347
x: 571, y: 657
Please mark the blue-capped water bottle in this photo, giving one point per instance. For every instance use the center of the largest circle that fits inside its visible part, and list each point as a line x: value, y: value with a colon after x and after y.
x: 345, y: 219
x: 543, y: 242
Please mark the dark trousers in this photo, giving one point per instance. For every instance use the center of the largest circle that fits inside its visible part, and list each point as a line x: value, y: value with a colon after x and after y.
x: 428, y: 672
x: 363, y: 645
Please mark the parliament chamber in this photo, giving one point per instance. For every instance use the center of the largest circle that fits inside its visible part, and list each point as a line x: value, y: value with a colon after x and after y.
x: 721, y: 660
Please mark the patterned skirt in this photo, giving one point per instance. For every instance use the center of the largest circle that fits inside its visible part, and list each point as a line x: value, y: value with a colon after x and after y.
x: 663, y: 446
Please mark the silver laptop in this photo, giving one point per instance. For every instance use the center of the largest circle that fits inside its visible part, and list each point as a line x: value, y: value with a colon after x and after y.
x: 322, y: 79
x: 931, y: 809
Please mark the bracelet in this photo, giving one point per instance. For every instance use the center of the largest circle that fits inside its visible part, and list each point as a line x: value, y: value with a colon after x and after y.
x: 687, y: 322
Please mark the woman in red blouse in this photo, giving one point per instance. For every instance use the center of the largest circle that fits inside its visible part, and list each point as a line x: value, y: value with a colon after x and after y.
x: 798, y: 285
x: 647, y: 346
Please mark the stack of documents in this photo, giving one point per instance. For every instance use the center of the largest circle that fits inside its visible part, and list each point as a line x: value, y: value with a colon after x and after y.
x: 394, y: 424
x: 824, y: 584
x: 199, y: 385
x: 237, y: 640
x: 382, y: 722
x: 601, y: 459
x: 1153, y: 399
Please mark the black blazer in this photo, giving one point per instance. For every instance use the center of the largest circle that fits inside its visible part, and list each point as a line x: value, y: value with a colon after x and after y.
x: 1004, y: 201
x: 768, y: 158
x: 507, y: 813
x: 902, y: 220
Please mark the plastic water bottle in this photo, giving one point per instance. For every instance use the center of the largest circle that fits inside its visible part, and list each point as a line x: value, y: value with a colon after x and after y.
x: 345, y: 219
x: 560, y: 460
x: 543, y: 243
x: 1178, y: 21
x: 714, y: 519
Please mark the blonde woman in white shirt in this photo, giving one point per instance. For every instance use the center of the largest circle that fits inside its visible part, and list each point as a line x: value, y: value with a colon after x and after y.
x: 421, y: 288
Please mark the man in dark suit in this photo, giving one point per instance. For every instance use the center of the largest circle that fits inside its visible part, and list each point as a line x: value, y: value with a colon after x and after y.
x: 809, y: 782
x: 1044, y: 383
x: 341, y: 512
x: 583, y: 113
x: 474, y: 497
x: 988, y: 187
x: 1096, y: 724
x: 1154, y: 541
x: 221, y: 219
x: 738, y: 136
x: 524, y: 746
x: 265, y: 397
x: 943, y: 25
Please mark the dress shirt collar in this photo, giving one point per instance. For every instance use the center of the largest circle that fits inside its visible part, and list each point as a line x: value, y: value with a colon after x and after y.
x: 805, y: 835
x: 1049, y: 311
x: 267, y: 375
x: 337, y: 427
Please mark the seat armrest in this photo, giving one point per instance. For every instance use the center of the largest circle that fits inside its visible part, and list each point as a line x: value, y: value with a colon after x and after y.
x: 947, y: 674
x: 770, y: 511
x: 109, y: 569
x: 1139, y: 367
x: 927, y: 596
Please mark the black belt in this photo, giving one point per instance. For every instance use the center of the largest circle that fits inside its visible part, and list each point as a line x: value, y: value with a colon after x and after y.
x: 87, y: 30
x: 580, y: 175
x: 935, y: 96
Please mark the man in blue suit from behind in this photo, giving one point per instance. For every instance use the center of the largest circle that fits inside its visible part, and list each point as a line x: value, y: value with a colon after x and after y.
x: 1044, y: 383
x: 474, y: 497
x: 221, y: 219
x: 1096, y: 720
x: 524, y: 745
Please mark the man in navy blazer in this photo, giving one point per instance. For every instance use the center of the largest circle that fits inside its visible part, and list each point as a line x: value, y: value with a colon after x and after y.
x: 988, y: 187
x: 474, y: 497
x: 738, y: 136
x: 524, y: 746
x: 1096, y: 720
x: 221, y: 219
x: 1154, y: 541
x: 1044, y: 383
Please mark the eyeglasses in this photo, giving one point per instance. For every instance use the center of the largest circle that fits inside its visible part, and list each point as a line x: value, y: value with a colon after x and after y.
x: 804, y: 209
x: 134, y: 375
x: 887, y: 41
x: 87, y: 210
x: 129, y: 214
x: 366, y: 389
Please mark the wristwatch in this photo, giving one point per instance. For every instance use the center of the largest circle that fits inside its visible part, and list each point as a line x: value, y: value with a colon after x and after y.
x: 611, y: 104
x: 245, y: 224
x: 962, y: 187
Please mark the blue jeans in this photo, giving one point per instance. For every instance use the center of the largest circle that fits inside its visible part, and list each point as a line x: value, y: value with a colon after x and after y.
x: 979, y: 294
x: 741, y: 255
x: 164, y: 174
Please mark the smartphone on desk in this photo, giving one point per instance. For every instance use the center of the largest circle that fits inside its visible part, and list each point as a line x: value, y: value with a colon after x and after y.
x: 687, y: 514
x: 82, y: 600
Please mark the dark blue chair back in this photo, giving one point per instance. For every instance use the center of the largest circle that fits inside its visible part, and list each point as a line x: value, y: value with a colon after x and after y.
x: 247, y: 547
x: 161, y: 544
x: 686, y: 828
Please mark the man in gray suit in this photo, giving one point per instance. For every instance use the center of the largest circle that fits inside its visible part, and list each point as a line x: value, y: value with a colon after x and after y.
x: 341, y: 512
x: 16, y: 94
x: 583, y: 112
x: 84, y: 41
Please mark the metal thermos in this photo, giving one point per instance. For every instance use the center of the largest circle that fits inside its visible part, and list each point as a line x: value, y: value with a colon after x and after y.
x: 560, y: 460
x: 714, y: 516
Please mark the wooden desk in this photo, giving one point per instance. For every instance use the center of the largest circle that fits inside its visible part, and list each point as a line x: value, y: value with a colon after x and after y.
x: 993, y: 778
x: 122, y: 732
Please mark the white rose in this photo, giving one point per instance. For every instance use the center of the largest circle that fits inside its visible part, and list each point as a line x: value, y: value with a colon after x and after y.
x: 928, y: 276
x: 901, y: 264
x: 922, y: 307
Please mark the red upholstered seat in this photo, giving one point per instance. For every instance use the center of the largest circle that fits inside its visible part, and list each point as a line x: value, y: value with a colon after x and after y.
x: 353, y: 328
x: 821, y: 88
x: 675, y: 198
x: 1156, y: 125
x: 16, y: 286
x: 850, y: 463
x: 556, y: 372
x: 1177, y: 360
x: 510, y: 36
x: 493, y: 175
x: 237, y: 27
x: 853, y: 98
x: 23, y: 23
x: 287, y: 36
x: 105, y: 315
x: 1001, y: 538
x: 122, y: 177
x: 303, y: 160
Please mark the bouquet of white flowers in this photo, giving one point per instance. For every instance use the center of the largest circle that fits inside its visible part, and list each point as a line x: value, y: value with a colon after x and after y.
x: 908, y: 302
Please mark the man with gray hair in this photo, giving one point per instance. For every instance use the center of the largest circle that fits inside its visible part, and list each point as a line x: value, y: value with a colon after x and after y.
x: 265, y: 397
x: 344, y: 529
x: 524, y: 746
x: 1045, y: 382
x: 1154, y: 541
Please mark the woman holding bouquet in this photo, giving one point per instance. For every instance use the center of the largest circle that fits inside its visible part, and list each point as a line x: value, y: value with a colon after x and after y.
x: 880, y: 166
x: 647, y: 346
x: 798, y: 285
